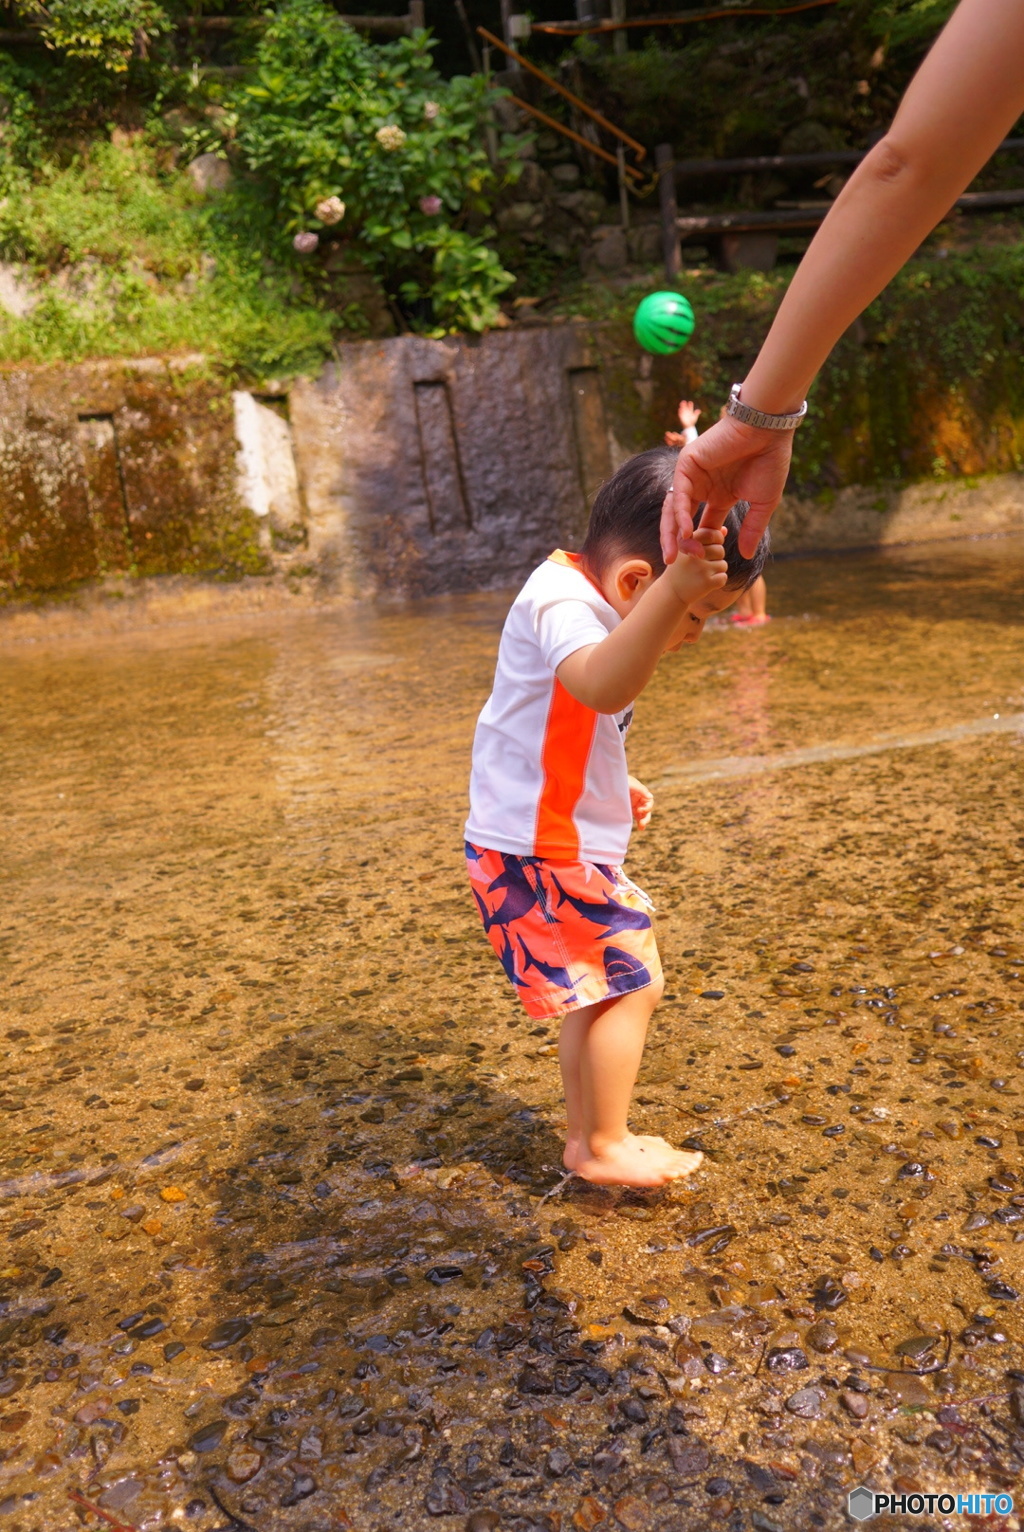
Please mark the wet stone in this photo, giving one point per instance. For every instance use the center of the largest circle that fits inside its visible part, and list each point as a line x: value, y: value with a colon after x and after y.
x: 227, y: 1333
x: 854, y: 1403
x: 689, y: 1458
x: 486, y: 1520
x: 822, y: 1336
x: 631, y: 1514
x: 786, y: 1359
x: 806, y: 1403
x: 209, y: 1437
x: 303, y: 1485
x: 916, y: 1346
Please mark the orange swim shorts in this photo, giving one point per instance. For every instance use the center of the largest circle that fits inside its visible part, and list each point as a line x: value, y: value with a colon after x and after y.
x: 568, y: 934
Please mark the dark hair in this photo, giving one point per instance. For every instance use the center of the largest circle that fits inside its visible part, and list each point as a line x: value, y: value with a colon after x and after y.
x: 627, y: 516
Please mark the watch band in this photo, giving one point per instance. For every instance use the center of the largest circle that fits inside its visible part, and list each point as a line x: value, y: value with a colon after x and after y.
x: 751, y: 417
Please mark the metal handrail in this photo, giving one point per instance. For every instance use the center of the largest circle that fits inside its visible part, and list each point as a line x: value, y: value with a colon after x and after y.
x: 577, y: 138
x: 678, y: 18
x: 549, y: 80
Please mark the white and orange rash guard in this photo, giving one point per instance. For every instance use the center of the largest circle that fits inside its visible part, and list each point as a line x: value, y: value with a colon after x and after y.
x: 549, y: 775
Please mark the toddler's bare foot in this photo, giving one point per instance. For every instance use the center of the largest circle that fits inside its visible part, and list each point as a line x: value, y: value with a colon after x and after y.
x: 635, y: 1161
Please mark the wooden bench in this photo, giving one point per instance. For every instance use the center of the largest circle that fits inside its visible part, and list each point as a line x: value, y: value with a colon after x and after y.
x: 749, y: 240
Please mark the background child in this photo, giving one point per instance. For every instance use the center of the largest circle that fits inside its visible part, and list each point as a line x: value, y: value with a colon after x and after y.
x: 552, y: 805
x: 752, y: 604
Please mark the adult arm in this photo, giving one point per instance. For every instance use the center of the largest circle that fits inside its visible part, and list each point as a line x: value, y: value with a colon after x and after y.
x: 959, y: 106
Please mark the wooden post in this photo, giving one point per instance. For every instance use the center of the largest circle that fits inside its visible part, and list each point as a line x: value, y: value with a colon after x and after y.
x: 417, y: 18
x: 620, y: 155
x: 620, y: 42
x: 490, y: 131
x: 664, y: 160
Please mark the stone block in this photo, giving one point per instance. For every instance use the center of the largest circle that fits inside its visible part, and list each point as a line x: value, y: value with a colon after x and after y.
x: 210, y: 173
x: 519, y: 216
x: 644, y: 244
x: 585, y: 206
x: 611, y: 253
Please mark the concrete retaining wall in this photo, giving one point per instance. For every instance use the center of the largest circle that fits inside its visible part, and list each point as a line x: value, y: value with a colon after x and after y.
x: 409, y: 466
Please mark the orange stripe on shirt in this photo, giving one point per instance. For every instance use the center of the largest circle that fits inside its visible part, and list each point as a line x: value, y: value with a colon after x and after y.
x: 568, y: 740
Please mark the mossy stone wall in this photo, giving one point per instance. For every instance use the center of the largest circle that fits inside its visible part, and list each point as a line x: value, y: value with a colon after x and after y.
x: 118, y: 468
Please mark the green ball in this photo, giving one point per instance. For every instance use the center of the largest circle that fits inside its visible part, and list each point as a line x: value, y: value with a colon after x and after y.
x: 663, y: 323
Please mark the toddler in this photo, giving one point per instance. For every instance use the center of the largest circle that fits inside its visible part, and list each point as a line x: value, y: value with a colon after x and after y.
x: 552, y: 805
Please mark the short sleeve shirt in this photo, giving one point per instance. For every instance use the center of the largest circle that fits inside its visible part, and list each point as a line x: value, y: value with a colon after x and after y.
x: 549, y: 775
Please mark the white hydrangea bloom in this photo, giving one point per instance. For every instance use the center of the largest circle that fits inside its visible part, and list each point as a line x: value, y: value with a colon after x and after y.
x: 431, y: 109
x: 330, y: 210
x: 390, y: 136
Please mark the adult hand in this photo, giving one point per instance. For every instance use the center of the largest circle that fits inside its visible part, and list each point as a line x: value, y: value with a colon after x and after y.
x: 728, y: 463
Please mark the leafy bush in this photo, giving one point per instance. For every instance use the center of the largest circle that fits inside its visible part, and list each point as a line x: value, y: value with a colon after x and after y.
x: 127, y: 261
x: 331, y: 116
x: 109, y: 31
x: 20, y: 146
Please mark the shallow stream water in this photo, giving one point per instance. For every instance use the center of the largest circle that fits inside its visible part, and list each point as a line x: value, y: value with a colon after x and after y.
x: 282, y: 1239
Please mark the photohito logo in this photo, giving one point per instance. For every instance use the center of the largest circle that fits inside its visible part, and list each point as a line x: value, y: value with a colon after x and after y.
x: 864, y: 1503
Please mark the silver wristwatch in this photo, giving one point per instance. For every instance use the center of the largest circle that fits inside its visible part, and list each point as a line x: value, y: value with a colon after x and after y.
x: 751, y: 417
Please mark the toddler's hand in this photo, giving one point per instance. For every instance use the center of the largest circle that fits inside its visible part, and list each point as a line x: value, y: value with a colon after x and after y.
x: 641, y: 801
x: 695, y: 575
x: 688, y: 416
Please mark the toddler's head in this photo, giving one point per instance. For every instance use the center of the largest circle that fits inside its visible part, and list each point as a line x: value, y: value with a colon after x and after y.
x: 624, y: 531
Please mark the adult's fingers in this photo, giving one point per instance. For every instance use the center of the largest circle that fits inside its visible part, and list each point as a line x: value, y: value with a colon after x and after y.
x: 677, y: 514
x: 753, y: 529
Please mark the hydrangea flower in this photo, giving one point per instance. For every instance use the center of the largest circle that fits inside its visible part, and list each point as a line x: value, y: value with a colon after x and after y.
x: 330, y: 210
x: 306, y: 242
x: 430, y: 205
x: 390, y: 136
x: 431, y: 110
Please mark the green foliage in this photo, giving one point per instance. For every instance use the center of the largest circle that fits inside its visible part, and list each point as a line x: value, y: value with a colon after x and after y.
x: 109, y: 31
x: 20, y: 145
x: 127, y: 261
x: 902, y: 22
x: 329, y: 115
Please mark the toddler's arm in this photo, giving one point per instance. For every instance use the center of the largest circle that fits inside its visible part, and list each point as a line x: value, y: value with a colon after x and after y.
x: 688, y: 418
x: 608, y: 676
x: 641, y: 801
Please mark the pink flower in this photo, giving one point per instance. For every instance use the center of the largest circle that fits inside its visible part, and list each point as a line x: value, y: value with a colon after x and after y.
x: 430, y: 205
x: 306, y: 242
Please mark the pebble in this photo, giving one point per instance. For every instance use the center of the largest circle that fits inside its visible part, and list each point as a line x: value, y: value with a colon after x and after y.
x: 631, y: 1513
x: 243, y: 1462
x: 855, y: 1404
x: 209, y: 1437
x: 822, y: 1336
x: 806, y: 1403
x: 786, y: 1359
x: 689, y: 1456
x: 588, y: 1515
x: 227, y: 1333
x: 489, y: 1521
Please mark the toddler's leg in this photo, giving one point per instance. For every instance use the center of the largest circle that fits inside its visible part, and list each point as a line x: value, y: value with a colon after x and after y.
x: 605, y: 1043
x: 571, y: 1040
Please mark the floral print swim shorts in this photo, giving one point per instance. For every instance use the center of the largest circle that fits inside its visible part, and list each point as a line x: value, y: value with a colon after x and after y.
x: 568, y: 934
